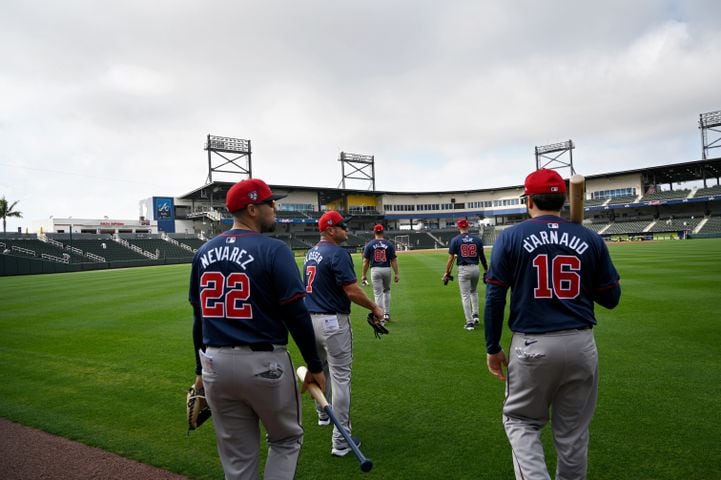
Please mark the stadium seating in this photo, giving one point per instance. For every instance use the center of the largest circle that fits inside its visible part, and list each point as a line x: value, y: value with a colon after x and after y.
x: 712, y: 225
x: 289, y: 215
x: 355, y: 240
x: 596, y: 227
x: 163, y: 247
x: 666, y: 195
x: 622, y: 200
x: 191, y: 241
x: 33, y: 247
x: 675, y: 224
x: 620, y: 228
x: 709, y: 191
x: 594, y: 202
x: 445, y: 235
x: 107, y: 248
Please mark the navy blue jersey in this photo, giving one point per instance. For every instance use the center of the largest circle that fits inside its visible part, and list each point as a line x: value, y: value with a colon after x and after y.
x: 555, y: 270
x: 468, y: 249
x: 241, y: 280
x: 327, y: 269
x: 379, y: 253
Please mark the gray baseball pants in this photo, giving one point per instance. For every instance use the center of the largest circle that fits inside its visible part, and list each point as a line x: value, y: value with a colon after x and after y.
x: 381, y: 279
x: 468, y: 277
x: 335, y: 349
x: 551, y: 375
x: 242, y: 387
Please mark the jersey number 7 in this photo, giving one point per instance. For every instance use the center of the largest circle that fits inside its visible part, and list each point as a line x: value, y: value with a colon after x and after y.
x: 561, y: 279
x: 309, y: 277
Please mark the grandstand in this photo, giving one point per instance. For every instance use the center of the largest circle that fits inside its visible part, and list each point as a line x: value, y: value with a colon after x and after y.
x: 666, y: 195
x: 674, y: 224
x: 711, y: 226
x: 36, y: 248
x: 708, y: 191
x: 622, y: 200
x: 681, y: 200
x: 159, y: 247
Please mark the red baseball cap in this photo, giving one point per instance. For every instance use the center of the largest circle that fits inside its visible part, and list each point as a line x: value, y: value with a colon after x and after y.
x: 462, y: 223
x: 543, y: 181
x: 378, y: 228
x: 247, y: 192
x: 331, y: 219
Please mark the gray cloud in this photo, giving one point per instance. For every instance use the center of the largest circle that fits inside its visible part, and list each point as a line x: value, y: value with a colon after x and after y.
x: 115, y: 98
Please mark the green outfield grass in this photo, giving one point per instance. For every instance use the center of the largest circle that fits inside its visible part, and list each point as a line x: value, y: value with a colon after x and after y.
x: 105, y: 357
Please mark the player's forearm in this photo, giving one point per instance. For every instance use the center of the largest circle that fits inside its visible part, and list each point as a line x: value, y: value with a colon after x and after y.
x: 197, y: 336
x: 493, y: 317
x: 299, y: 324
x: 394, y: 266
x: 449, y: 264
x: 608, y: 297
x: 366, y: 264
x: 358, y: 296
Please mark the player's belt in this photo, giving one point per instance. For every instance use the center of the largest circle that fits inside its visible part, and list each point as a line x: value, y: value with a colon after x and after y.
x: 568, y: 330
x: 255, y: 347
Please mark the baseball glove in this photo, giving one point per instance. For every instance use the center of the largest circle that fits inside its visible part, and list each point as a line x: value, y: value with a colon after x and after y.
x: 197, y: 408
x: 378, y: 328
x: 447, y: 278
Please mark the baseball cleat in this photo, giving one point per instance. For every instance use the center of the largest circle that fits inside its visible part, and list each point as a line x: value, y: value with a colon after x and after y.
x: 343, y: 451
x: 469, y: 326
x: 476, y: 321
x: 323, y: 420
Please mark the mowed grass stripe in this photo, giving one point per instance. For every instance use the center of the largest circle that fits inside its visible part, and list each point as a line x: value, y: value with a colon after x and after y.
x: 105, y: 357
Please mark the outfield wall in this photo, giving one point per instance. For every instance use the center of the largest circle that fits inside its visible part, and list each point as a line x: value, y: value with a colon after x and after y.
x: 14, y: 265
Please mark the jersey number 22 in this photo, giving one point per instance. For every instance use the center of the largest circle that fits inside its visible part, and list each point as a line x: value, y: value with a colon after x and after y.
x: 224, y: 296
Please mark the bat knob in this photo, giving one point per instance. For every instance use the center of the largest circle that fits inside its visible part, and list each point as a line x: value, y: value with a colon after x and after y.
x: 366, y: 465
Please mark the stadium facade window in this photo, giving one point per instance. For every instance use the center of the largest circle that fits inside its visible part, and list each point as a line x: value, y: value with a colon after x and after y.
x: 506, y: 202
x: 294, y: 207
x: 400, y: 208
x: 481, y: 204
x: 614, y: 193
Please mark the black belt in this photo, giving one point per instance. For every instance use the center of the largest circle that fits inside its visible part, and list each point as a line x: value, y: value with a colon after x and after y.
x: 580, y: 329
x: 255, y: 347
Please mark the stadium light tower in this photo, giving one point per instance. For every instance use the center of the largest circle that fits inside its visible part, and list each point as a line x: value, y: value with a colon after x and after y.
x: 550, y: 154
x: 228, y: 153
x: 709, y: 122
x: 359, y: 165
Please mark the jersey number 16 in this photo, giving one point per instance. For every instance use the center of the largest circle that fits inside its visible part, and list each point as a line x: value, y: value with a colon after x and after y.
x: 560, y: 278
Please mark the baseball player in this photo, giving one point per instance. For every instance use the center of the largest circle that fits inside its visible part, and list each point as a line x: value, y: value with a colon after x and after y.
x: 246, y: 294
x: 556, y: 270
x: 467, y: 251
x: 380, y: 255
x: 331, y: 286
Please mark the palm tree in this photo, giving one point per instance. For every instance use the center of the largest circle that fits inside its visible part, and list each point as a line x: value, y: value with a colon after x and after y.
x: 7, y: 211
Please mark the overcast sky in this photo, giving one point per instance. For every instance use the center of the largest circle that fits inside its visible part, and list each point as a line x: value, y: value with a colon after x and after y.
x: 105, y: 103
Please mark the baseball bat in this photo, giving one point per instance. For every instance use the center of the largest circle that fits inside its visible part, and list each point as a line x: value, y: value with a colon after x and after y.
x: 576, y: 196
x: 315, y: 392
